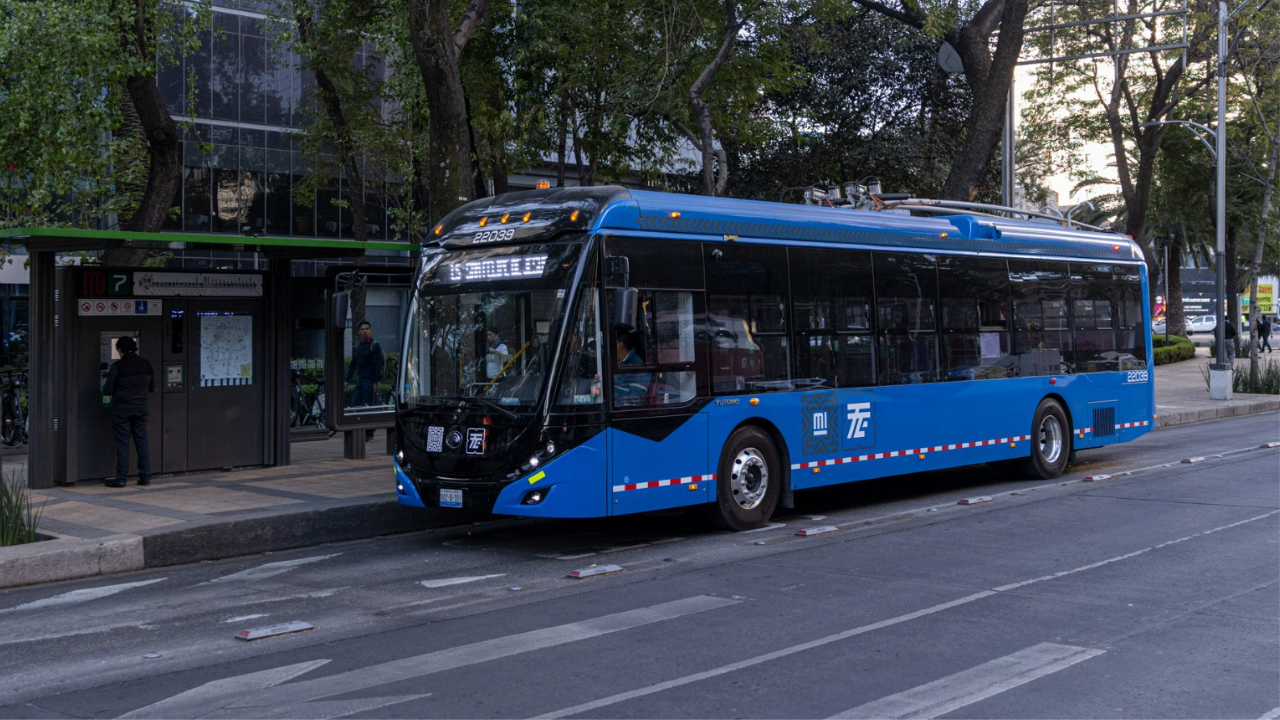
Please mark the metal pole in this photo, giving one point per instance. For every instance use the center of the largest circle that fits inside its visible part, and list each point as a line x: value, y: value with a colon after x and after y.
x: 1167, y: 298
x: 1222, y: 185
x: 1006, y: 164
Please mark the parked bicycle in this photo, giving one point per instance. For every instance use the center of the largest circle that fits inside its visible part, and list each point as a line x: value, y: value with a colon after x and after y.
x: 14, y: 429
x: 303, y: 412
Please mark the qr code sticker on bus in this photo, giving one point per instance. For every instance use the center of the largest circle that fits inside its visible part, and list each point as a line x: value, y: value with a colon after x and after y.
x: 435, y: 438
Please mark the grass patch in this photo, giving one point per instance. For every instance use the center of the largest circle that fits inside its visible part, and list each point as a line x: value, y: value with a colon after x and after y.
x: 18, y: 517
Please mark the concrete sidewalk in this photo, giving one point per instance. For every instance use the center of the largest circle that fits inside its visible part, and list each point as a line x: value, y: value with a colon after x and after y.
x: 324, y: 498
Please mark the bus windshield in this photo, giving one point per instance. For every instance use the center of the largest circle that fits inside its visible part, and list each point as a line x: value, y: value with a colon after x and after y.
x: 483, y: 324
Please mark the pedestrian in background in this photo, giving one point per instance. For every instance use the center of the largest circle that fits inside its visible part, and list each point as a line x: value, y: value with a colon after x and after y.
x: 367, y: 360
x: 1264, y: 333
x: 130, y: 382
x: 1229, y: 335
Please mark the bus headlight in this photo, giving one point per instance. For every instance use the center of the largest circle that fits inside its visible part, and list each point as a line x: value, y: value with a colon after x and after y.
x: 400, y: 457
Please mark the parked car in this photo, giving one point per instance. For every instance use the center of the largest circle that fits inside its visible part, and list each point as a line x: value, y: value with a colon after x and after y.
x: 1200, y: 324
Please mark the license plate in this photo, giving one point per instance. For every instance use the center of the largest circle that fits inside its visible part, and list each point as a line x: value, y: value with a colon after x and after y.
x: 450, y: 498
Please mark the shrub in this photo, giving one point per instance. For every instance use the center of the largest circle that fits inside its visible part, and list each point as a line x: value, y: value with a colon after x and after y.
x: 1178, y: 349
x: 1268, y: 377
x: 18, y: 518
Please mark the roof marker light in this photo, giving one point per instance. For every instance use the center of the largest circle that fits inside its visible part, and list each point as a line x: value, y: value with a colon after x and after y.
x: 505, y: 218
x: 439, y: 228
x: 1115, y: 247
x: 484, y: 221
x: 526, y: 216
x: 573, y: 217
x: 943, y: 236
x: 674, y: 215
x: 544, y: 185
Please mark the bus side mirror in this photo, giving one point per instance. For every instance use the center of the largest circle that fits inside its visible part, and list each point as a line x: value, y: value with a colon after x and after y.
x: 341, y: 302
x: 626, y: 302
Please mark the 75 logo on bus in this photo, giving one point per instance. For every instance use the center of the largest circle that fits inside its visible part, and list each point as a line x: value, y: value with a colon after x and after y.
x: 1136, y: 376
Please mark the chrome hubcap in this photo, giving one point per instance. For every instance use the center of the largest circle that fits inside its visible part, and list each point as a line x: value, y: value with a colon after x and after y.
x: 749, y: 478
x: 1050, y: 439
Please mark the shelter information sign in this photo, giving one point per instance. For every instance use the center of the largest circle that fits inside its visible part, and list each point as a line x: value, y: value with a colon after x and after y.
x: 226, y: 350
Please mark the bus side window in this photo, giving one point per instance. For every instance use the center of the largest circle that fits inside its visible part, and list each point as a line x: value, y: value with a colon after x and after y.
x: 747, y: 318
x: 906, y: 303
x: 831, y: 317
x: 655, y: 364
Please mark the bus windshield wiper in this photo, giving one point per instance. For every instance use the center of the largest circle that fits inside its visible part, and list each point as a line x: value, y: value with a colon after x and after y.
x: 489, y: 404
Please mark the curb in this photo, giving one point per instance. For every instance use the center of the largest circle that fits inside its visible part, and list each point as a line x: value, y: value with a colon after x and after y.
x: 283, y: 530
x: 69, y: 558
x: 1226, y: 409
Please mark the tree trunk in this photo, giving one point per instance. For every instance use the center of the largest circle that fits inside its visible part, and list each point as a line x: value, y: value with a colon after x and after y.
x: 164, y: 147
x: 1175, y: 314
x: 715, y: 171
x: 436, y: 49
x: 989, y: 77
x: 1255, y: 375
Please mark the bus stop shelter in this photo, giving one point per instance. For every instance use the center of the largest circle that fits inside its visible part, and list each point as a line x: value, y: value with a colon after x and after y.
x: 219, y: 342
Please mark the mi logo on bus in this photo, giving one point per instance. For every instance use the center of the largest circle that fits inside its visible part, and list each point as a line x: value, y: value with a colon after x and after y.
x: 858, y: 408
x: 821, y: 423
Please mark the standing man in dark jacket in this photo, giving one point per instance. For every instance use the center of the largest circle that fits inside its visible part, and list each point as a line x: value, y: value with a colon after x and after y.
x: 367, y: 360
x: 130, y: 383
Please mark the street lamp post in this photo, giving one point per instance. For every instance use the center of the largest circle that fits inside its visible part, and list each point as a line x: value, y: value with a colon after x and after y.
x: 1219, y: 372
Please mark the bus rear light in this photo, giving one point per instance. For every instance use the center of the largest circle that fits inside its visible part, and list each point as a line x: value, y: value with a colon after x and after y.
x: 1053, y: 381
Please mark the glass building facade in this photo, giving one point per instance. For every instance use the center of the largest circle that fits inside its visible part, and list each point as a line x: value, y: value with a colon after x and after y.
x: 241, y: 165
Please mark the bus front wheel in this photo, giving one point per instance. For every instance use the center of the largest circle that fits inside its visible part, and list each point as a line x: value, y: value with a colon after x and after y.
x: 1050, y: 441
x: 748, y: 481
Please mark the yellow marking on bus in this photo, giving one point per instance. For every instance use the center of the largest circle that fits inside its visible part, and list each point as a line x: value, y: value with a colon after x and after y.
x: 537, y: 477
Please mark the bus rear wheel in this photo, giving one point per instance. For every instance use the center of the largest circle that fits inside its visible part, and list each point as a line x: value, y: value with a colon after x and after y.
x: 748, y: 481
x: 1050, y: 441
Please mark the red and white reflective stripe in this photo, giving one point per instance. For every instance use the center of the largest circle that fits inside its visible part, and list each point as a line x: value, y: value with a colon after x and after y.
x: 904, y: 453
x: 1121, y: 426
x: 663, y: 483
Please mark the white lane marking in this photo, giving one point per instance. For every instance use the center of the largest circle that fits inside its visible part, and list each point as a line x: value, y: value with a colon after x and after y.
x: 257, y: 695
x: 767, y: 657
x: 1271, y: 715
x: 446, y: 582
x: 1126, y: 556
x: 977, y: 683
x: 242, y: 618
x: 742, y: 664
x: 78, y: 596
x: 271, y: 569
x: 197, y: 701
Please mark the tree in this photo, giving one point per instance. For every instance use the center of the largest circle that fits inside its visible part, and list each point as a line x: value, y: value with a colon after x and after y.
x: 437, y: 46
x: 988, y: 73
x: 84, y: 132
x: 867, y: 99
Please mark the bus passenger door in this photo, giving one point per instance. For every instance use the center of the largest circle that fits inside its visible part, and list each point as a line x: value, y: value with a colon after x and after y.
x: 659, y: 429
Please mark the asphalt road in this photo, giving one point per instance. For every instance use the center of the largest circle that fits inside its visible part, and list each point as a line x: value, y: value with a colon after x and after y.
x: 1149, y: 594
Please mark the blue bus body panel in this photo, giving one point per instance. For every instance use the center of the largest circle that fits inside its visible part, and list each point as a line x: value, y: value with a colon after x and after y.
x: 575, y: 485
x: 656, y: 475
x: 406, y: 492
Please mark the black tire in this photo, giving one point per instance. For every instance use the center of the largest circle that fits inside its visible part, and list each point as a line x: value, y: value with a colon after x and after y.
x: 1050, y: 442
x: 748, y: 481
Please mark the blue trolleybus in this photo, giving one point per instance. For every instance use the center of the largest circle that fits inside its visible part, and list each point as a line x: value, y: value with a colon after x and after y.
x: 585, y: 352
